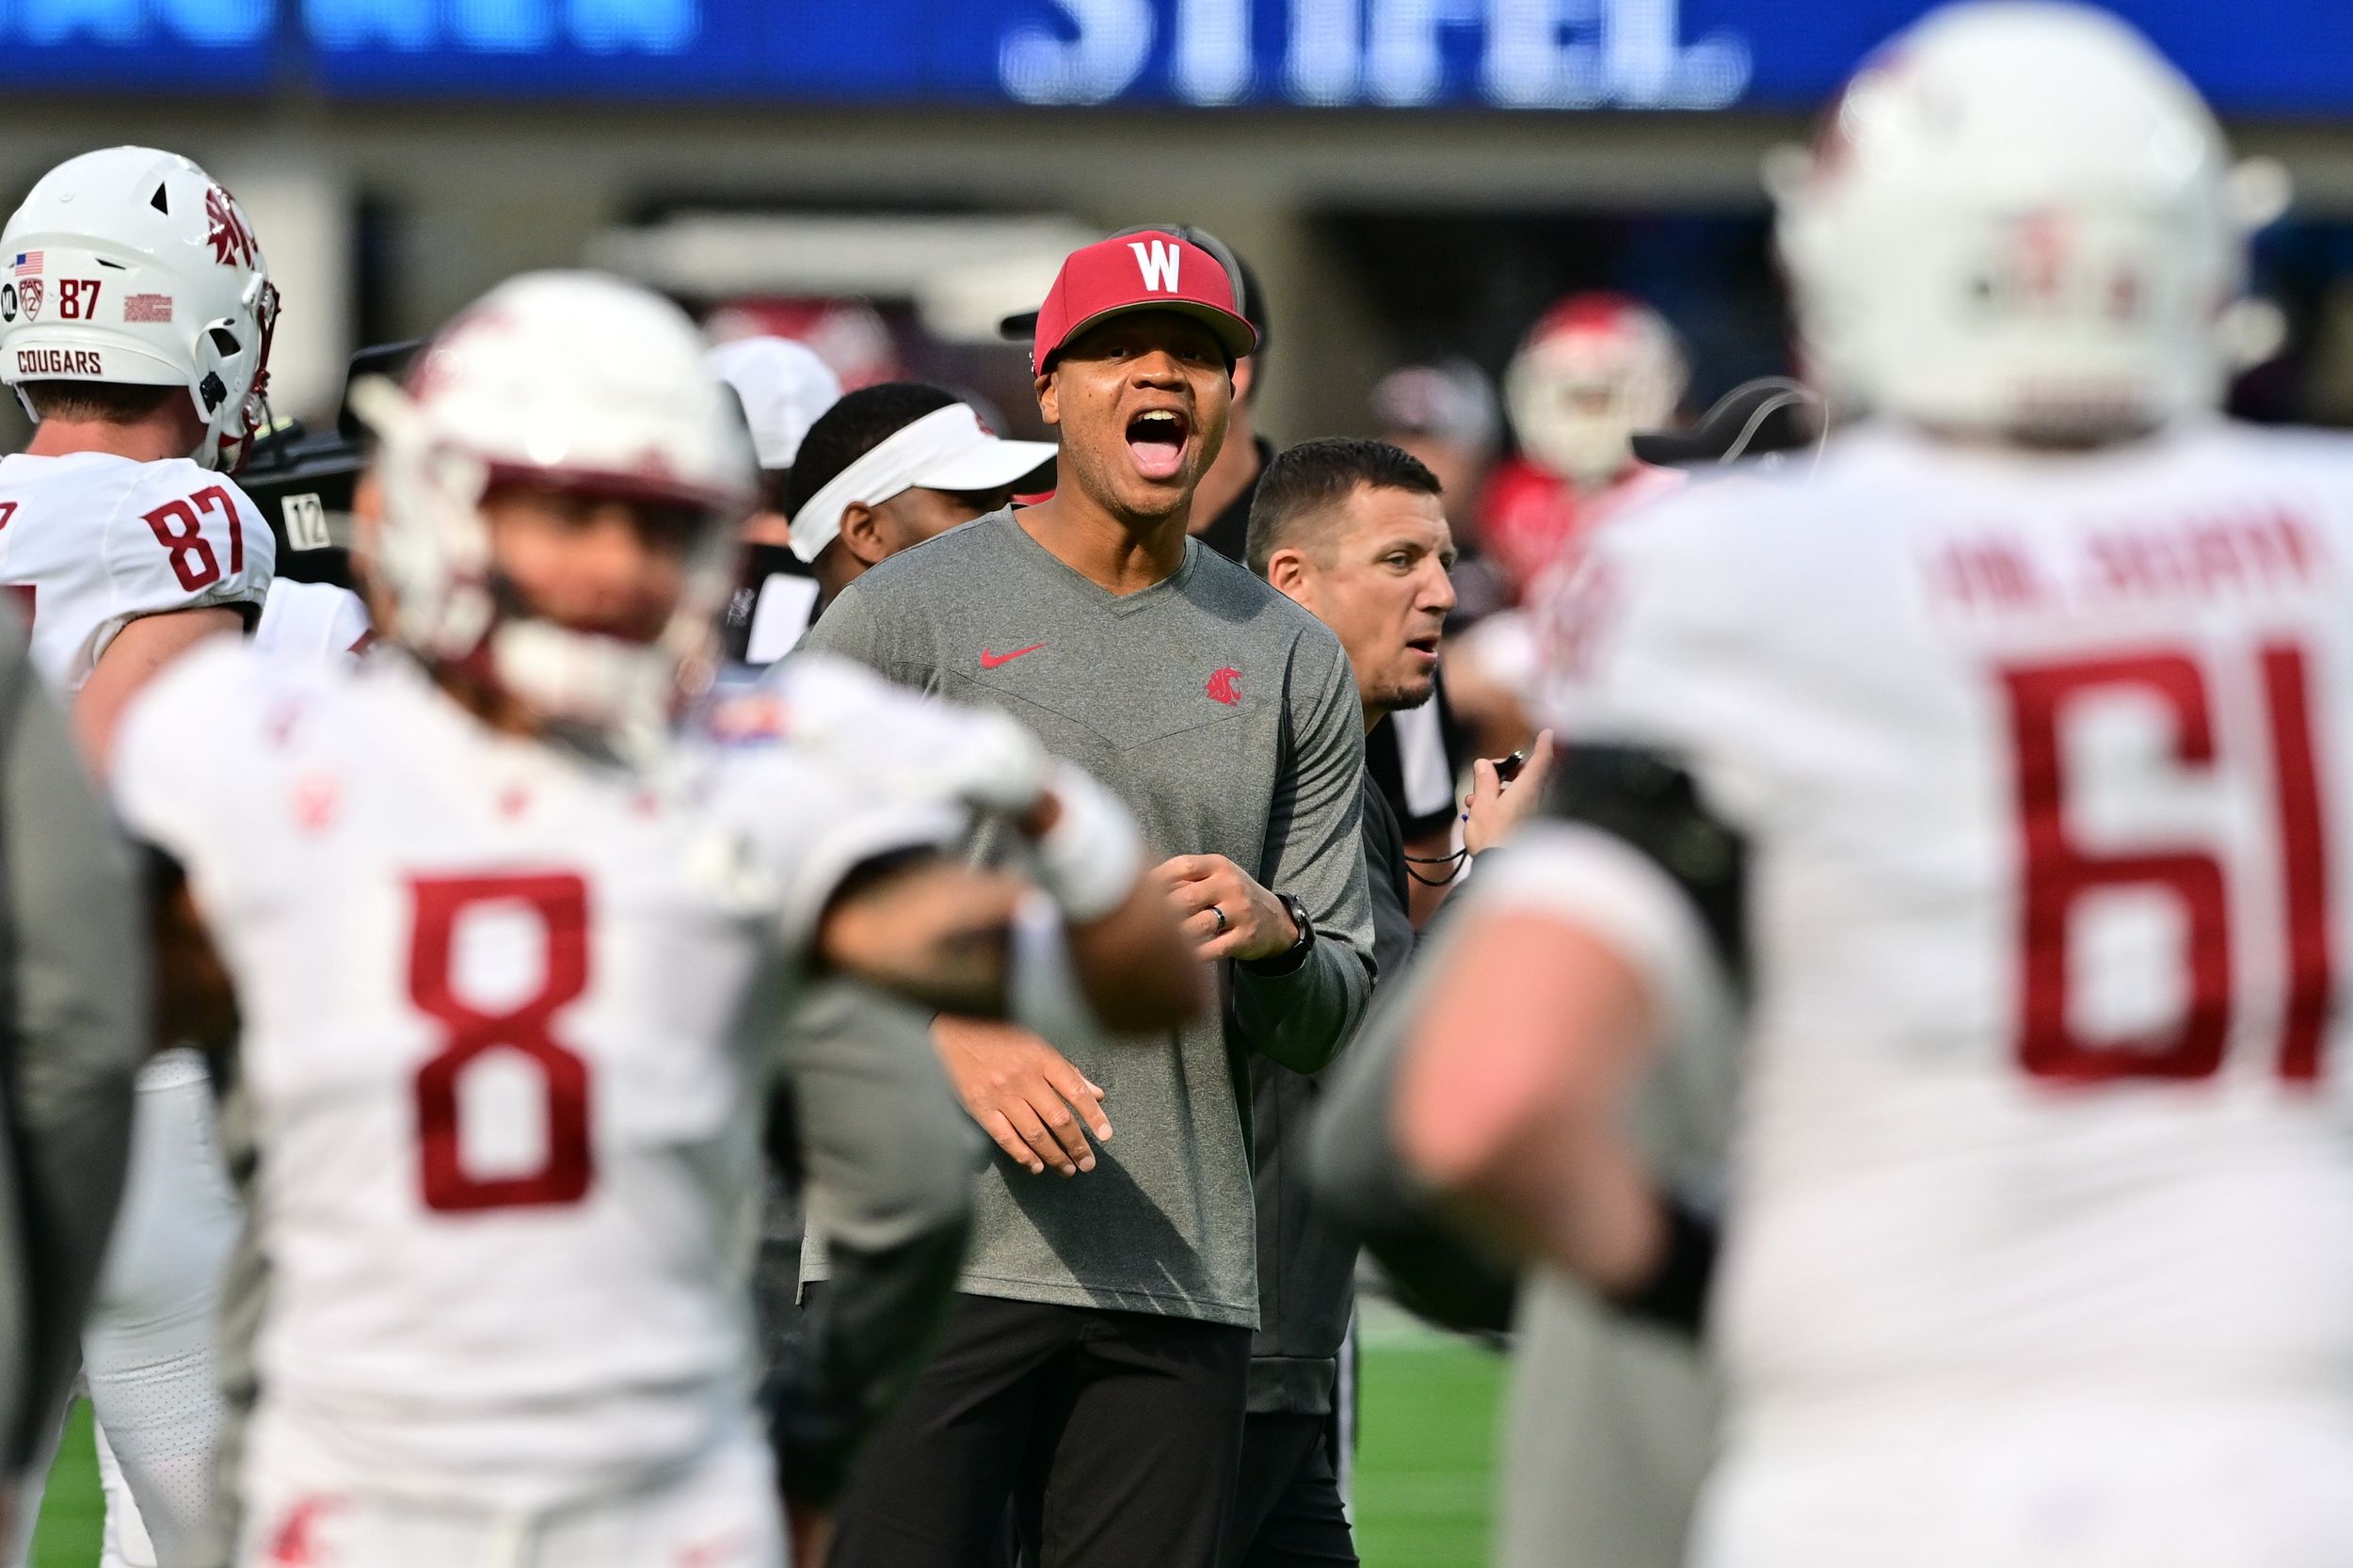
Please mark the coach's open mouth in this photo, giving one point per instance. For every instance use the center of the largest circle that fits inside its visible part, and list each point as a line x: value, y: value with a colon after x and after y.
x: 1156, y: 440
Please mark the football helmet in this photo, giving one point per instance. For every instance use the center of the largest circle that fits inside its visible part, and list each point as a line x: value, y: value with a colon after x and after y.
x: 580, y: 382
x: 2018, y: 219
x: 1594, y: 370
x: 135, y: 266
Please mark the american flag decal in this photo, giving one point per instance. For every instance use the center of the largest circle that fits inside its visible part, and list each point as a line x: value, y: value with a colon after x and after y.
x: 147, y: 307
x: 28, y: 263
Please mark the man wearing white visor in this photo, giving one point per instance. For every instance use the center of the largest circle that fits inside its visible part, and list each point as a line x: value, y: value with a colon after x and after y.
x: 782, y: 386
x: 892, y: 465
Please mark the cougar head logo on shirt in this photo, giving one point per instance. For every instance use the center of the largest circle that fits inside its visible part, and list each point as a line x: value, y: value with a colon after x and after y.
x: 316, y: 801
x: 295, y: 1545
x: 1221, y: 687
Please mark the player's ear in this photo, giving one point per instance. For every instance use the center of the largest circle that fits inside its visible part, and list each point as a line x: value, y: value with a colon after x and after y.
x: 863, y: 533
x: 1244, y: 376
x: 1048, y: 398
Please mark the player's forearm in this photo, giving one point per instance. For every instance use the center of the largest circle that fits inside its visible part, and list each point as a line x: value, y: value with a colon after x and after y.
x: 933, y: 932
x: 131, y: 659
x: 1135, y: 968
x: 1578, y: 1198
x: 1514, y: 1087
x: 1122, y: 957
x: 1364, y: 1188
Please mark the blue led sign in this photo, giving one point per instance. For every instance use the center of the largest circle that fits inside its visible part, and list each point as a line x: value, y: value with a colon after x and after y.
x: 2257, y: 57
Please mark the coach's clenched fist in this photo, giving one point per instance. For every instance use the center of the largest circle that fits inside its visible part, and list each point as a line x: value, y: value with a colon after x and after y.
x: 1226, y: 913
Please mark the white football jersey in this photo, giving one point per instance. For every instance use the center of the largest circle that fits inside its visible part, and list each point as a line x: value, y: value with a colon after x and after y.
x: 91, y: 542
x: 313, y: 620
x: 501, y: 1015
x: 2044, y: 771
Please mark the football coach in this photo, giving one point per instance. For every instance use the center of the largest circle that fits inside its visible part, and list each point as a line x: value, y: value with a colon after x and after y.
x: 1095, y: 1368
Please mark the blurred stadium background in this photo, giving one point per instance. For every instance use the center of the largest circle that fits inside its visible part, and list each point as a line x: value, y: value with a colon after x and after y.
x: 1410, y: 178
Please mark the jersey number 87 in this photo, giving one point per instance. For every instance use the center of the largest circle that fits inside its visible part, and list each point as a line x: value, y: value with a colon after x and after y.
x: 179, y: 528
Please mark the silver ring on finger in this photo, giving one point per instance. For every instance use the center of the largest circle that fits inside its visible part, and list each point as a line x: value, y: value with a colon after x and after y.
x: 1222, y: 922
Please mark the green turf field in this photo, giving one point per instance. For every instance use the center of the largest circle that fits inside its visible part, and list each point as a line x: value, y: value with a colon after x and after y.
x: 1424, y: 1451
x: 1421, y: 1470
x: 69, y: 1514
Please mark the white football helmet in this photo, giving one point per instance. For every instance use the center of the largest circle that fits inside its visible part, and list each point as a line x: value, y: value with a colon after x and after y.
x: 134, y: 266
x: 2020, y: 219
x: 1594, y: 370
x: 577, y: 381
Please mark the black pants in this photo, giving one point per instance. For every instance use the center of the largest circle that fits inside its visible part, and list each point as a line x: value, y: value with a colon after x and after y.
x: 1113, y: 1435
x: 1287, y: 1511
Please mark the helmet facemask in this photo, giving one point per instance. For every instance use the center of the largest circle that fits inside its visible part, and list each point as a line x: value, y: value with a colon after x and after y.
x: 233, y: 378
x: 432, y: 557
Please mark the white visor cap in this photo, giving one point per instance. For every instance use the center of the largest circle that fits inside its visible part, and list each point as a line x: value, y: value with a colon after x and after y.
x: 945, y: 449
x: 783, y: 387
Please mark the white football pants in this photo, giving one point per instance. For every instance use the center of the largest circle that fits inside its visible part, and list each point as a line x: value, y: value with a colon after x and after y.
x: 722, y: 1511
x: 148, y: 1352
x: 2042, y: 1489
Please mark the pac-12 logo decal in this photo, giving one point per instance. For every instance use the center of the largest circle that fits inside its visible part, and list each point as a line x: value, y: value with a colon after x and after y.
x: 1221, y: 687
x: 1158, y: 263
x: 28, y: 295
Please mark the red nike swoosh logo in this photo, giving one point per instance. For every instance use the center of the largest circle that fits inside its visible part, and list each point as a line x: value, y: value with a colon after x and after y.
x: 990, y: 661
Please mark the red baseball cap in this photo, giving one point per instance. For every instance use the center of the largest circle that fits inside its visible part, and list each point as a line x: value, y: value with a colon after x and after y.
x: 1151, y: 271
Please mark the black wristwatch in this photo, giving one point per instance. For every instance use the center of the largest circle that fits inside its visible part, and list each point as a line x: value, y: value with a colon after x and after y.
x: 1295, y: 955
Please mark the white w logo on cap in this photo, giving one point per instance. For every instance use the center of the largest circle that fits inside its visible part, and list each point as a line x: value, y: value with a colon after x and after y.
x: 1161, y: 262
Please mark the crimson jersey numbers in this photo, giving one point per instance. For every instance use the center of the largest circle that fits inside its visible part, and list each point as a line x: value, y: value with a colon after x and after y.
x: 178, y: 526
x: 2058, y: 871
x: 558, y: 904
x: 22, y: 593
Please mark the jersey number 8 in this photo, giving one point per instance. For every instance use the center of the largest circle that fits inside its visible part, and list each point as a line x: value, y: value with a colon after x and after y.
x: 560, y: 903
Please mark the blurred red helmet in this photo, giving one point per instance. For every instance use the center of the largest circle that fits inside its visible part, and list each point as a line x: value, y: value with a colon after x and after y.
x: 1594, y: 370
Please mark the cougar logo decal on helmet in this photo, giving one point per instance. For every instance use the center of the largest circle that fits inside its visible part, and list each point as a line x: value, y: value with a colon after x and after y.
x: 227, y: 232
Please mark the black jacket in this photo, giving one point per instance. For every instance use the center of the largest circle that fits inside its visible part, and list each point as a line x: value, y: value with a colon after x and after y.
x: 1305, y: 1268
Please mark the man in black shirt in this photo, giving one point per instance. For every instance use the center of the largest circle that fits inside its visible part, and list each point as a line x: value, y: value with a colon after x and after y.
x: 1354, y: 531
